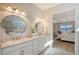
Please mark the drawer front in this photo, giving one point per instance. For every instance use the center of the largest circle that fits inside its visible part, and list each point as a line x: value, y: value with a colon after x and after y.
x: 28, y: 50
x: 36, y: 51
x: 44, y: 41
x: 16, y: 52
x: 0, y: 52
x: 18, y: 46
x: 36, y: 44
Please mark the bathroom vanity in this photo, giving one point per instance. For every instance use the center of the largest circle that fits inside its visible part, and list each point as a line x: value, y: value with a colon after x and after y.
x: 15, y: 39
x: 25, y: 46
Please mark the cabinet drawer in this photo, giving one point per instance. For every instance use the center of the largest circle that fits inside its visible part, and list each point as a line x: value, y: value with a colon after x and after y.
x: 16, y: 52
x: 0, y: 52
x: 15, y: 47
x: 28, y: 50
x: 36, y: 51
x: 36, y: 44
x: 44, y: 41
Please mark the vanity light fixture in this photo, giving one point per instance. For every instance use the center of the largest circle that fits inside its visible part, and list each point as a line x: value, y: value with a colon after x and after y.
x: 15, y: 10
x: 9, y: 8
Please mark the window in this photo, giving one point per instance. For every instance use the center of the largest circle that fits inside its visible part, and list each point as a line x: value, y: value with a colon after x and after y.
x: 66, y: 27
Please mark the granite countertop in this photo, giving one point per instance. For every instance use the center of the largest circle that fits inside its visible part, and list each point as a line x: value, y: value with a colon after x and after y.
x: 14, y: 42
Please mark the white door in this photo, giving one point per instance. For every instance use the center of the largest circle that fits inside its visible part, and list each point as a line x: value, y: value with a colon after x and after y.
x: 77, y: 31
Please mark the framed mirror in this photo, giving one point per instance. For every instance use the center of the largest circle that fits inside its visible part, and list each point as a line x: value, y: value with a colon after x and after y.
x: 39, y: 28
x: 14, y: 25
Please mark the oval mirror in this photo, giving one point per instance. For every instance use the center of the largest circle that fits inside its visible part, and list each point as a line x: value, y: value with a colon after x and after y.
x: 39, y: 28
x: 14, y: 25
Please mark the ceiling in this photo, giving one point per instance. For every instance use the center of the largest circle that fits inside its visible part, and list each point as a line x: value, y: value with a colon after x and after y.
x: 45, y: 6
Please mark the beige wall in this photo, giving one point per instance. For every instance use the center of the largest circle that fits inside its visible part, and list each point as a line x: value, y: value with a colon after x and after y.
x: 32, y: 12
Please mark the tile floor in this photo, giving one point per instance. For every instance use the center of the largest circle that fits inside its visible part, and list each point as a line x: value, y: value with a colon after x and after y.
x: 60, y: 48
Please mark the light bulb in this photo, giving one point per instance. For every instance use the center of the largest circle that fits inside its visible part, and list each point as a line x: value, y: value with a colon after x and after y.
x: 23, y: 13
x: 9, y: 8
x: 17, y: 11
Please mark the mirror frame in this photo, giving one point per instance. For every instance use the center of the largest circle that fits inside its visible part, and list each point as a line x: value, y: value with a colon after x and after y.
x: 15, y: 26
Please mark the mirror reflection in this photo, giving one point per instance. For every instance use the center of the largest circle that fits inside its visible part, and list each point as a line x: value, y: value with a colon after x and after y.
x: 14, y: 25
x: 39, y: 28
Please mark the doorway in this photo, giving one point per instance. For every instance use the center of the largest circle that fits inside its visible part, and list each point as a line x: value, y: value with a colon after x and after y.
x: 64, y: 32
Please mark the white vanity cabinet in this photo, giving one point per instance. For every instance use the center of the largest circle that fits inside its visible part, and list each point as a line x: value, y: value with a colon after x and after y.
x: 0, y: 51
x: 27, y: 50
x: 40, y: 44
x: 44, y: 41
x: 37, y: 46
x: 16, y: 52
x: 17, y: 49
x: 32, y: 47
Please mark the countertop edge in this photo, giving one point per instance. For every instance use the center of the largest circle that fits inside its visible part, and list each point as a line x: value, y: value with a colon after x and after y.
x: 29, y: 39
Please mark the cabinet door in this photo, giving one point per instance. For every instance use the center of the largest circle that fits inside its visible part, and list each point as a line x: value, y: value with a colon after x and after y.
x: 0, y: 51
x: 44, y: 41
x: 16, y: 52
x: 37, y: 46
x: 36, y: 51
x: 47, y: 38
x: 28, y: 50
